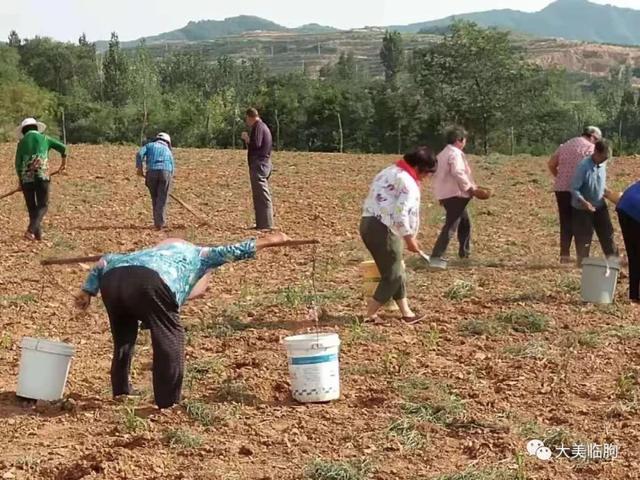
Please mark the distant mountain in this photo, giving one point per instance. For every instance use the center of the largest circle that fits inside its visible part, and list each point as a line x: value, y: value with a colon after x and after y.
x: 569, y: 19
x: 205, y: 30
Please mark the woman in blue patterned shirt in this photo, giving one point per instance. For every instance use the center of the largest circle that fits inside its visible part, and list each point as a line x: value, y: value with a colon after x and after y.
x: 150, y: 286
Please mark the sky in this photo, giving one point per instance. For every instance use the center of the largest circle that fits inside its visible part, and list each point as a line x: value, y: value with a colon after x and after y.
x: 132, y: 19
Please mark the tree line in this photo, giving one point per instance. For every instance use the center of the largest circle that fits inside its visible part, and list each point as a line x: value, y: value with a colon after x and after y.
x: 478, y: 78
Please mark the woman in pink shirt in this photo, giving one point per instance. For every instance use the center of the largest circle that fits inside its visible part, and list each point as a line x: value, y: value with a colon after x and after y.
x: 562, y: 166
x: 453, y: 187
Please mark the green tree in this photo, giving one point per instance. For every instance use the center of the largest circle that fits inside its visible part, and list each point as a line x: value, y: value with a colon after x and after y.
x: 473, y: 77
x: 115, y: 68
x: 14, y: 39
x: 392, y: 55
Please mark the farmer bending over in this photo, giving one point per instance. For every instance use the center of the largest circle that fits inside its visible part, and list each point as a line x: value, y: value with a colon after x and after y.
x: 150, y: 286
x: 32, y: 167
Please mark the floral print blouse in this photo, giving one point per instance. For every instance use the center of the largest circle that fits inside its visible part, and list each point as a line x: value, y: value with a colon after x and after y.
x: 394, y: 199
x: 180, y: 265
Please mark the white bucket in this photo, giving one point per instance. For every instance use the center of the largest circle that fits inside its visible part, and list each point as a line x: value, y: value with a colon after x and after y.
x: 44, y: 366
x: 314, y: 366
x: 599, y: 279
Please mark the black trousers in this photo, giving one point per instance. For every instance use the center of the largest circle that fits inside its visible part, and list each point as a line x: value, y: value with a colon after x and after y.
x: 138, y: 294
x: 584, y: 223
x: 457, y: 220
x: 631, y: 233
x: 565, y: 211
x: 36, y: 196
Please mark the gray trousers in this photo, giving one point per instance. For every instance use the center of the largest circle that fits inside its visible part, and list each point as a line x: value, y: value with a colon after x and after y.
x: 159, y: 184
x: 259, y: 174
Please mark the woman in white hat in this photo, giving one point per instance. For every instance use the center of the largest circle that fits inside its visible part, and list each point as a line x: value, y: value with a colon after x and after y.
x: 158, y: 179
x: 32, y: 168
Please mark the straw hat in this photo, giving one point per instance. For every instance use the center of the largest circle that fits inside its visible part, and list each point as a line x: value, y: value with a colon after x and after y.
x: 30, y: 121
x: 483, y: 193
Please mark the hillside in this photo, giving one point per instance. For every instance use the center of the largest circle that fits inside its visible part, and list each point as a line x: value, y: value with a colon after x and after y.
x: 285, y: 52
x: 568, y: 19
x: 204, y: 30
x: 561, y: 19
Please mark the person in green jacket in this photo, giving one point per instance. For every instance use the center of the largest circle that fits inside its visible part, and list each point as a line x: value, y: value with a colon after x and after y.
x: 32, y: 168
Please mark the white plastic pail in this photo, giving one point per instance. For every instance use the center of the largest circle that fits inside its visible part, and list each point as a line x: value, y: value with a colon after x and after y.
x: 44, y: 366
x: 599, y: 279
x: 314, y: 366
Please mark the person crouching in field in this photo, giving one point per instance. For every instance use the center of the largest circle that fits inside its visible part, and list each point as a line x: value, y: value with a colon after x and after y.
x: 628, y: 209
x: 160, y: 165
x: 391, y: 218
x: 32, y: 168
x: 590, y: 212
x: 454, y: 188
x: 149, y: 286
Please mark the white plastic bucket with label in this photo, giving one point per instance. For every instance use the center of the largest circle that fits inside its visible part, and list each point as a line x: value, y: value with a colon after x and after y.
x: 599, y: 280
x: 314, y: 366
x: 44, y: 366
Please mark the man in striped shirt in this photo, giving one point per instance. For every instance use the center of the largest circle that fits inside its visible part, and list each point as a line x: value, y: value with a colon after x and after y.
x: 158, y: 179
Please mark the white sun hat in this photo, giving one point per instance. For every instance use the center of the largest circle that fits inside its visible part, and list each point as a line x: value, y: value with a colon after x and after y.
x: 30, y: 121
x: 165, y: 137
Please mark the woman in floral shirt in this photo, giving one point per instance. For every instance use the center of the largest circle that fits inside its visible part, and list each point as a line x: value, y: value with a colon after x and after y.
x: 391, y: 218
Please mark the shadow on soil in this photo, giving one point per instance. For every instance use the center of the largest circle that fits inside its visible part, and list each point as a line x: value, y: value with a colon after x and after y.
x: 13, y: 406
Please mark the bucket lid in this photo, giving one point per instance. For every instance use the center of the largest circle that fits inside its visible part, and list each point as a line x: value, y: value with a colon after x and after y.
x: 612, y: 263
x: 317, y: 340
x: 48, y: 346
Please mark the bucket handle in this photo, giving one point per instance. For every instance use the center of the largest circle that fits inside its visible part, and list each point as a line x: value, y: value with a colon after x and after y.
x: 317, y: 346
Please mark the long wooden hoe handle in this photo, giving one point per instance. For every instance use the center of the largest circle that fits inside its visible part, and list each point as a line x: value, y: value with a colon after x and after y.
x: 66, y: 261
x: 95, y: 258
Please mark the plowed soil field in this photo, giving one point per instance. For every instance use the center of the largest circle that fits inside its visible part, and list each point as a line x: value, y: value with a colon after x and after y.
x: 509, y: 352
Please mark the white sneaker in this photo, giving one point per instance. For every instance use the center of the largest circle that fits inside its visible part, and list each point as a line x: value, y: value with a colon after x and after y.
x: 438, y: 262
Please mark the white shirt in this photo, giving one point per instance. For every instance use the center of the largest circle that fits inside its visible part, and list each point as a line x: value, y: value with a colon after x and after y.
x: 394, y: 199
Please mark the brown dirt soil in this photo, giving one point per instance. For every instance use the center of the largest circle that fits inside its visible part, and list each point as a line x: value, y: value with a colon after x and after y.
x: 463, y: 390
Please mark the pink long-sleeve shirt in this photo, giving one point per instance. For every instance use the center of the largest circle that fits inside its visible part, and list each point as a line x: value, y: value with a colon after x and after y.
x: 453, y: 176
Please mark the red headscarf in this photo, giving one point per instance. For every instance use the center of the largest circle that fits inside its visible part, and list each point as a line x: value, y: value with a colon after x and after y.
x: 402, y: 163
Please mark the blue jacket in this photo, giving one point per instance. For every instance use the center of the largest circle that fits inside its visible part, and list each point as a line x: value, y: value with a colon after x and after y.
x: 630, y: 202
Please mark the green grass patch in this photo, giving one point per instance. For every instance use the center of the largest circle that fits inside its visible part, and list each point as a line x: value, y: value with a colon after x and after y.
x: 183, y: 439
x: 524, y: 321
x: 627, y: 386
x: 430, y: 401
x: 406, y: 432
x: 485, y: 474
x: 460, y: 290
x: 5, y: 342
x: 569, y: 284
x: 625, y: 332
x: 18, y: 299
x: 481, y: 327
x: 359, y: 332
x: 588, y: 339
x: 199, y: 370
x: 533, y: 349
x: 338, y: 470
x: 235, y: 391
x: 200, y: 412
x: 131, y: 422
x: 296, y: 296
x: 429, y: 339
